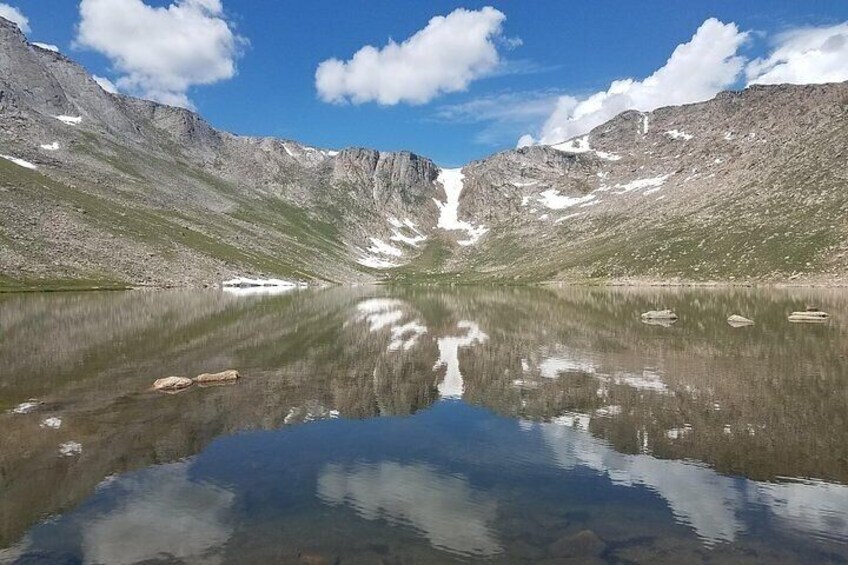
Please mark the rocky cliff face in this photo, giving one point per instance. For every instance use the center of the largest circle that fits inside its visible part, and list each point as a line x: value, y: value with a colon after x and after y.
x: 105, y: 189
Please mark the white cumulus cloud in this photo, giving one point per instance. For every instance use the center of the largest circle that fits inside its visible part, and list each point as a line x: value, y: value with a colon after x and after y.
x: 804, y: 56
x: 695, y: 71
x: 14, y: 15
x: 161, y: 52
x: 445, y: 56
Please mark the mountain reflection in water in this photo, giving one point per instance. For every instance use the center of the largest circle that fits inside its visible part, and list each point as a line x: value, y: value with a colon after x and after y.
x: 421, y: 425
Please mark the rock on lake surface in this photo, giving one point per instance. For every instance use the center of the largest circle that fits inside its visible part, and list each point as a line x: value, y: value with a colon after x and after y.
x: 492, y: 425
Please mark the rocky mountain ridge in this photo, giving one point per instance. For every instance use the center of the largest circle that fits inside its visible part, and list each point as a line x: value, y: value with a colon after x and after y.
x: 100, y: 189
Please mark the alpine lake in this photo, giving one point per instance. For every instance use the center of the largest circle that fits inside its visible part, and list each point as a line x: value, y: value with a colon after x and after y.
x: 404, y: 425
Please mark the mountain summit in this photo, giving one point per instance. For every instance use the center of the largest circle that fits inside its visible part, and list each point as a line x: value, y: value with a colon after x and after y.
x: 104, y: 189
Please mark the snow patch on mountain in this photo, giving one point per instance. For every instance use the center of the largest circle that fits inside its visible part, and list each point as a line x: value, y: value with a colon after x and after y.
x: 46, y: 46
x: 398, y: 235
x: 373, y: 262
x: 553, y: 200
x: 581, y: 145
x: 70, y: 120
x: 678, y: 134
x: 51, y: 146
x: 452, y: 181
x: 380, y: 247
x: 19, y: 162
x: 640, y: 184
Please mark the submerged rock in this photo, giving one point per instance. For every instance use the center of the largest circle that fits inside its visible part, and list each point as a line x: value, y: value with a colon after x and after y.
x: 809, y: 316
x: 223, y: 376
x: 169, y: 384
x: 659, y: 315
x: 738, y: 321
x: 583, y: 544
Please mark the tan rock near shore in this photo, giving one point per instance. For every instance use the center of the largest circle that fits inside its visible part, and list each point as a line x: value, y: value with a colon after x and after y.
x: 223, y: 376
x: 172, y: 383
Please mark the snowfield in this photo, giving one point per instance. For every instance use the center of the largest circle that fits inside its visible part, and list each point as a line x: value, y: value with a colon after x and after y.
x: 19, y: 162
x: 451, y: 180
x: 70, y: 120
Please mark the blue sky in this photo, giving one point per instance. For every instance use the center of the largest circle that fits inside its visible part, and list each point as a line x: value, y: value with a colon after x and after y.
x: 566, y: 48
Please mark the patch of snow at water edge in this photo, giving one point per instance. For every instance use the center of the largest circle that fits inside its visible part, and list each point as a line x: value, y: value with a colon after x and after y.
x: 677, y: 134
x: 380, y: 247
x: 553, y: 200
x: 452, y: 180
x: 452, y: 386
x: 51, y: 146
x: 246, y: 282
x: 257, y: 290
x: 19, y: 162
x: 46, y: 46
x: 242, y: 286
x: 70, y: 120
x: 654, y: 182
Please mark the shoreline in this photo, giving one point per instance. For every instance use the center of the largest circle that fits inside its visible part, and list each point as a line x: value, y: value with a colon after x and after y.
x: 57, y: 288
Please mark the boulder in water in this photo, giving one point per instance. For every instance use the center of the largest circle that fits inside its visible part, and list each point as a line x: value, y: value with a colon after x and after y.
x: 171, y: 384
x: 659, y: 315
x: 223, y: 376
x: 812, y: 316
